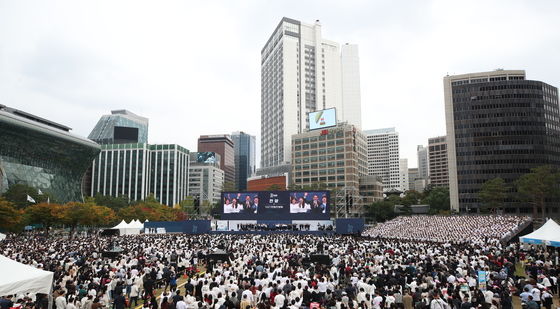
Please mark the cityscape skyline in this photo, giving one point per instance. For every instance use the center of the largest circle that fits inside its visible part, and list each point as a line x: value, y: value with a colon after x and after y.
x: 56, y: 71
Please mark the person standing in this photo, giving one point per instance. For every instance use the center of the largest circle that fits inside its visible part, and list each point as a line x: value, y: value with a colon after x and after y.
x: 546, y: 299
x: 60, y: 301
x: 408, y: 301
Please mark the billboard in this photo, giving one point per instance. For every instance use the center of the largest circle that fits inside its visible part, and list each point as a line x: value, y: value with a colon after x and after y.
x: 206, y: 157
x: 125, y: 134
x: 276, y: 205
x: 322, y: 119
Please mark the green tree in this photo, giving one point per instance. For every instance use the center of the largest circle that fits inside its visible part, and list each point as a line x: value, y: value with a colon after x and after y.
x: 17, y: 194
x: 537, y: 186
x: 411, y: 197
x: 12, y: 218
x: 274, y: 187
x: 187, y: 205
x: 112, y: 202
x: 381, y: 211
x: 438, y: 199
x: 492, y: 194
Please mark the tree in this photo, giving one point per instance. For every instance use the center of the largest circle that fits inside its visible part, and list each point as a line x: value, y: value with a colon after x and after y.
x: 381, y: 211
x: 45, y: 214
x: 274, y: 187
x: 412, y: 197
x: 152, y: 210
x: 112, y: 202
x: 537, y: 186
x: 187, y: 205
x: 438, y: 199
x: 492, y: 194
x: 17, y: 194
x: 103, y: 216
x: 12, y: 218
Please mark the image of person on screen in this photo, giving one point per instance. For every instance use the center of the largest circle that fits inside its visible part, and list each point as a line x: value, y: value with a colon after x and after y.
x: 315, y: 204
x: 294, y: 205
x: 323, y: 206
x: 255, y: 206
x: 232, y: 207
x: 227, y: 205
x: 303, y: 207
x: 247, y: 205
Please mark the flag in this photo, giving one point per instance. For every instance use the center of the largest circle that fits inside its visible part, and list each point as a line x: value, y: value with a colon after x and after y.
x: 39, y: 192
x: 30, y: 199
x: 48, y: 200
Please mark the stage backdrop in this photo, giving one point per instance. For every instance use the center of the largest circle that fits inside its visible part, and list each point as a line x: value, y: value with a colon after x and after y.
x: 276, y: 205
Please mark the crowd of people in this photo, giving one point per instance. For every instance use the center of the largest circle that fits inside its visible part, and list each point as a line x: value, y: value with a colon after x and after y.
x: 274, y: 227
x: 279, y: 271
x: 451, y: 229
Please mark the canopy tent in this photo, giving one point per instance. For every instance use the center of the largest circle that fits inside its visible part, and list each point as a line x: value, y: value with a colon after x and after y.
x: 128, y: 228
x: 2, y: 236
x: 548, y: 234
x: 122, y: 225
x: 19, y: 278
x: 136, y: 224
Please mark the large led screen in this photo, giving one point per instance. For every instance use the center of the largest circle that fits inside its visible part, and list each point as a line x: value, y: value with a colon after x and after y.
x: 276, y: 205
x: 322, y: 119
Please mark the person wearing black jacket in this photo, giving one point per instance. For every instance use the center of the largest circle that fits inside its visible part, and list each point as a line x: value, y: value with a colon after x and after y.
x: 120, y: 301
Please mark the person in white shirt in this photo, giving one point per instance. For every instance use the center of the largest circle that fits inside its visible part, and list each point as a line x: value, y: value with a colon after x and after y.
x: 60, y: 301
x: 181, y: 303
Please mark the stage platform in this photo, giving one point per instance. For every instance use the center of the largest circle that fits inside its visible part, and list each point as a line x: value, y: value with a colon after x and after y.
x: 316, y: 233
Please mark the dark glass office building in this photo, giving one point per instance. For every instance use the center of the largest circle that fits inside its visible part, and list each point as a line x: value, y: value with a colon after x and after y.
x: 42, y: 154
x: 499, y: 125
x: 244, y: 147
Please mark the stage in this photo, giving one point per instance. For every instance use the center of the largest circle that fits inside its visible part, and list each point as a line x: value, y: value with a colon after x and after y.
x: 341, y: 226
x: 316, y: 233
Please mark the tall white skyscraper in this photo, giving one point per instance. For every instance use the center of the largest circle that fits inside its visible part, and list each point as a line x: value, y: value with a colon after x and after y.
x: 302, y: 72
x: 383, y: 157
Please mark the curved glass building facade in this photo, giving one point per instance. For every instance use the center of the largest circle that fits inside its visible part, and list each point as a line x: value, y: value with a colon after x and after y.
x: 43, y: 154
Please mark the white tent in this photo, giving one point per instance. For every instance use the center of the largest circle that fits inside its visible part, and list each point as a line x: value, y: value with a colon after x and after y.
x: 127, y: 228
x: 2, y: 236
x: 136, y: 224
x: 20, y: 278
x: 122, y: 225
x: 548, y: 234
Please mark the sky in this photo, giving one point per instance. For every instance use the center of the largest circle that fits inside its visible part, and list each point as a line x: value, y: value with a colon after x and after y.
x: 193, y: 67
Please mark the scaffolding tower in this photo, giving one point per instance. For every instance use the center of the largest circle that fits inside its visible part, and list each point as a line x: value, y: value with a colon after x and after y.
x: 348, y: 203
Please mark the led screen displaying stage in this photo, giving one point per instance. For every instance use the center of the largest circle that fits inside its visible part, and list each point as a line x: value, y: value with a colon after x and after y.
x: 276, y: 205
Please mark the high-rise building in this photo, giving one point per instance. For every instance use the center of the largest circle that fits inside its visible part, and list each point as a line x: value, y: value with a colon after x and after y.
x: 412, y: 177
x: 383, y: 156
x: 403, y: 175
x: 371, y: 189
x: 302, y: 72
x: 120, y: 127
x: 498, y: 125
x: 42, y: 154
x: 222, y: 145
x: 138, y: 170
x: 245, y: 158
x: 335, y: 157
x: 206, y: 178
x: 423, y: 166
x: 437, y: 153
